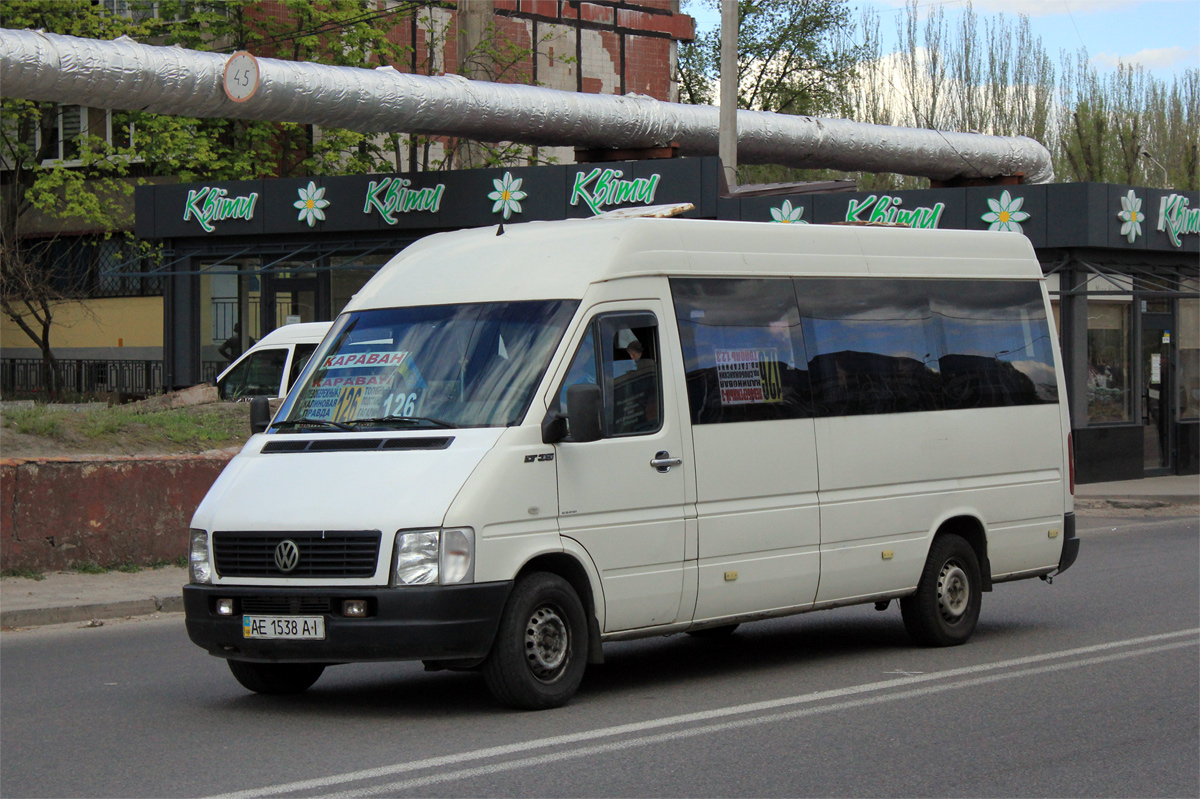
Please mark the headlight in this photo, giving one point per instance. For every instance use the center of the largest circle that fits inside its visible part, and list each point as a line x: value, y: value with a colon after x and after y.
x: 415, y: 558
x: 458, y: 556
x: 429, y: 557
x: 201, y: 568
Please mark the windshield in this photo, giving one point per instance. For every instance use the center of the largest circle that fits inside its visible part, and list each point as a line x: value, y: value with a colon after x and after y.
x: 440, y: 365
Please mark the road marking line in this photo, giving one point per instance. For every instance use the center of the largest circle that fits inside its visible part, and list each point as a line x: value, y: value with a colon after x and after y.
x: 688, y: 718
x: 692, y: 732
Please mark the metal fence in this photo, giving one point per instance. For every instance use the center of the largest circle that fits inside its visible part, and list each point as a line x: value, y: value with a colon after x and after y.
x: 82, y: 376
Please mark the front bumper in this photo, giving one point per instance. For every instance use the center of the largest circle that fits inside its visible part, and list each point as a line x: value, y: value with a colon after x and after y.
x: 410, y: 623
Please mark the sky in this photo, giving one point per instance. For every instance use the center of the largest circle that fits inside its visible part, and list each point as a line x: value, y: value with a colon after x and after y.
x: 1162, y: 35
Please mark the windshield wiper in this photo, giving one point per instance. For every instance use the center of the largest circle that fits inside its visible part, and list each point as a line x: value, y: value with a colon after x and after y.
x: 403, y: 420
x: 312, y: 423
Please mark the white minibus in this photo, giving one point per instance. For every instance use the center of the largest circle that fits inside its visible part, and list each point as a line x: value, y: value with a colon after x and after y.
x: 518, y: 443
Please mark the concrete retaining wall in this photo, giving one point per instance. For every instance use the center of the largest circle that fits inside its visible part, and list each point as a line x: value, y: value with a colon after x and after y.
x: 57, y: 512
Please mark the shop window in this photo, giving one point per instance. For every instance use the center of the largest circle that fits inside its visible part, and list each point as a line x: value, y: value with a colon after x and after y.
x: 1109, y: 378
x: 1189, y: 358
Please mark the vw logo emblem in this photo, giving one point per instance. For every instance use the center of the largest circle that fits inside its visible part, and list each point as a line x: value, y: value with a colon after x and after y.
x: 287, y: 555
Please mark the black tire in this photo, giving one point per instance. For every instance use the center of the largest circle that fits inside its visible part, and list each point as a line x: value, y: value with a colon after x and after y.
x: 276, y: 678
x: 945, y: 608
x: 540, y: 651
x: 724, y: 631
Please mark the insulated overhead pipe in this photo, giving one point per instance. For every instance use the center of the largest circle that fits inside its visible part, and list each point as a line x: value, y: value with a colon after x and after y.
x: 170, y: 80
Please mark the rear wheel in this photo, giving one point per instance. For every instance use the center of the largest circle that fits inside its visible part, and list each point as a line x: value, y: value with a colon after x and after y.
x: 540, y: 652
x: 945, y: 608
x: 276, y: 678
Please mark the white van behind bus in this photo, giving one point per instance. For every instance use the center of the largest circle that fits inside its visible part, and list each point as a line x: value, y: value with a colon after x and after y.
x: 516, y: 444
x: 270, y: 367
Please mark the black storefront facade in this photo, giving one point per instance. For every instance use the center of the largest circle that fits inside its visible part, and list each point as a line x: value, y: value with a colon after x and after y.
x: 1123, y: 265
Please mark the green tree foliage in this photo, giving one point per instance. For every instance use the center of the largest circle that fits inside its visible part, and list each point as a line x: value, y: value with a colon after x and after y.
x: 795, y: 57
x: 987, y: 75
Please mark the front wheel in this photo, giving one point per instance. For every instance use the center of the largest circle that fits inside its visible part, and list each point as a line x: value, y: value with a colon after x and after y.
x: 945, y: 608
x: 540, y: 652
x: 276, y: 678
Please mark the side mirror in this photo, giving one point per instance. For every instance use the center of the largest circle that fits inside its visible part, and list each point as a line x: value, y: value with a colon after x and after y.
x: 260, y: 415
x: 583, y: 411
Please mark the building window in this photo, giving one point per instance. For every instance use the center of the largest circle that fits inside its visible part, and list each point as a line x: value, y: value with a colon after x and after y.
x: 63, y: 126
x: 1189, y: 358
x: 1109, y: 344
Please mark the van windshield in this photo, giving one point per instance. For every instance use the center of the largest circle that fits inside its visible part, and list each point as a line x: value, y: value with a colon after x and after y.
x: 441, y: 365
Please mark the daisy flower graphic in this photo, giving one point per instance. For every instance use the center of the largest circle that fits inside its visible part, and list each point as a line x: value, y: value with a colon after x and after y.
x: 508, y: 195
x: 311, y: 201
x: 1131, y: 216
x: 788, y: 215
x: 1006, y: 213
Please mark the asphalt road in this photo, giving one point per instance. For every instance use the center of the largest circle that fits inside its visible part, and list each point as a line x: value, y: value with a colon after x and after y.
x: 1087, y: 687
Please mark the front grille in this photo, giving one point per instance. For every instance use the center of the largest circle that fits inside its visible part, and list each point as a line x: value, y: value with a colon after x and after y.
x: 292, y: 605
x: 332, y: 553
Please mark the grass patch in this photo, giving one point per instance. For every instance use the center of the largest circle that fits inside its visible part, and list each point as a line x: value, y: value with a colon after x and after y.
x: 180, y: 562
x: 88, y: 567
x: 128, y: 567
x: 28, y: 574
x: 36, y: 421
x: 123, y: 430
x: 205, y: 428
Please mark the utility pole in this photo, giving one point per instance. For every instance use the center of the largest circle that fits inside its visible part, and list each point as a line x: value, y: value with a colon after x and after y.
x: 727, y: 141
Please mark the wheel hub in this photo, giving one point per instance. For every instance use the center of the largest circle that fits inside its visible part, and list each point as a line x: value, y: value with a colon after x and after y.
x: 954, y: 591
x: 546, y: 643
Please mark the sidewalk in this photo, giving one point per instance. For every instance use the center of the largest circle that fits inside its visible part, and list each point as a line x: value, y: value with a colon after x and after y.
x: 68, y: 597
x: 1178, y: 489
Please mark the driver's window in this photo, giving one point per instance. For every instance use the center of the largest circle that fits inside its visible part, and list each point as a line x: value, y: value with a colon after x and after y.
x: 627, y: 369
x: 633, y: 385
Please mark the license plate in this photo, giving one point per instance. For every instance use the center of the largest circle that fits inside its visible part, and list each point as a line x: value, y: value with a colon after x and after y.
x: 302, y: 628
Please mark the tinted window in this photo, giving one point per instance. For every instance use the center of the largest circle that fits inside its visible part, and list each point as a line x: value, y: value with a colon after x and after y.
x: 742, y: 348
x: 257, y: 375
x: 872, y: 345
x: 996, y: 347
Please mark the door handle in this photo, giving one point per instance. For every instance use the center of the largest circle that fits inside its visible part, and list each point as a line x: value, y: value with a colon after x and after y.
x: 662, y: 461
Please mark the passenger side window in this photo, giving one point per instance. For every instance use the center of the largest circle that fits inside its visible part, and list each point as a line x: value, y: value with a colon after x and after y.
x: 996, y: 349
x: 620, y: 353
x: 743, y: 349
x: 872, y: 346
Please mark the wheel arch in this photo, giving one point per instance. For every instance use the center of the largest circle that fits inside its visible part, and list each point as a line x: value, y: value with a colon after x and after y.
x: 568, y: 567
x: 970, y: 529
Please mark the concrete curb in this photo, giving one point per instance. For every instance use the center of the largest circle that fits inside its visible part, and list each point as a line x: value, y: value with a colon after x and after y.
x: 36, y: 617
x: 1148, y: 501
